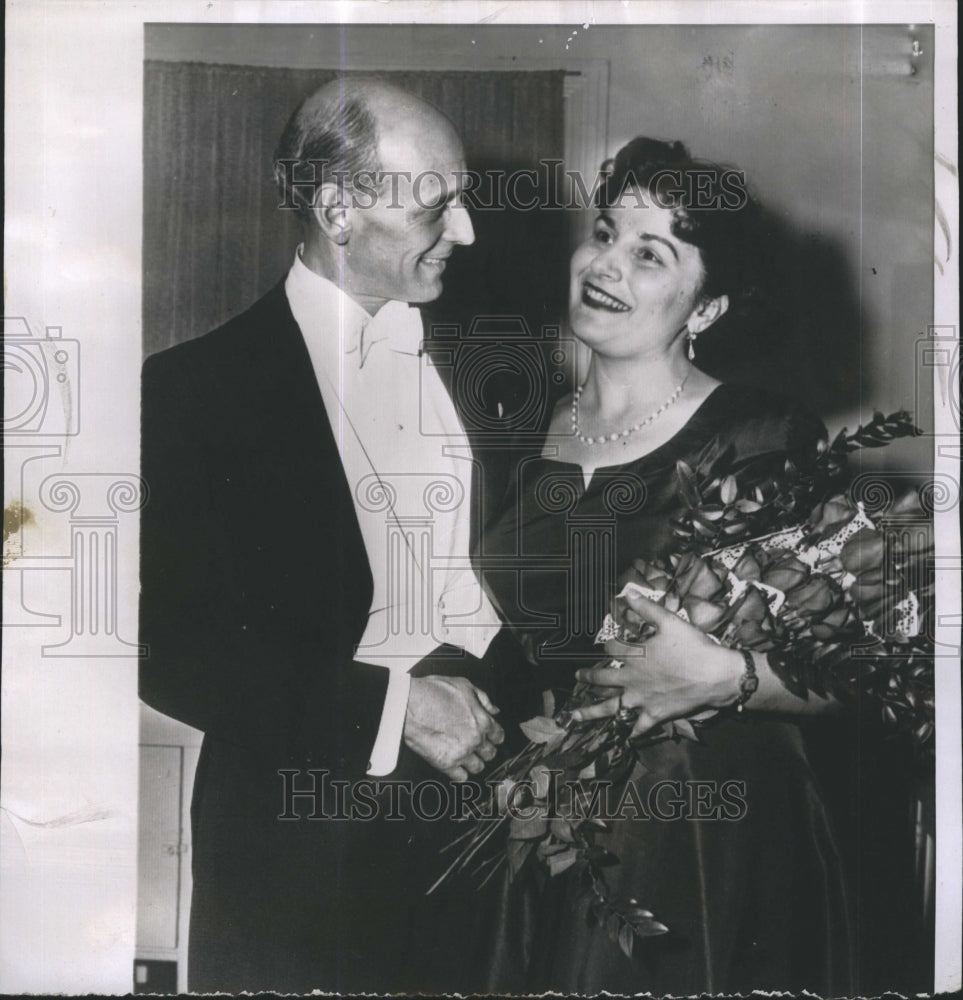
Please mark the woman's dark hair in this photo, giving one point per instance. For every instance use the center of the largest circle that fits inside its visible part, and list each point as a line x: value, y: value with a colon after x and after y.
x: 711, y: 209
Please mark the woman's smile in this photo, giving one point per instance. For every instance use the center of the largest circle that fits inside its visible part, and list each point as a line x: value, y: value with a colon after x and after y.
x: 635, y: 284
x: 595, y: 298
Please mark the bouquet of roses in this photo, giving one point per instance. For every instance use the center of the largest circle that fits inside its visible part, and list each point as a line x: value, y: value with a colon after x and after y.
x: 838, y: 606
x: 780, y: 563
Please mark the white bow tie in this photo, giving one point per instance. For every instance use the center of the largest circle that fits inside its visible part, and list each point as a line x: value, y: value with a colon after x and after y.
x: 396, y: 323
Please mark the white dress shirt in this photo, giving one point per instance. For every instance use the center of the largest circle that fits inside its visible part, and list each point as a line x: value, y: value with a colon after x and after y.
x: 408, y: 464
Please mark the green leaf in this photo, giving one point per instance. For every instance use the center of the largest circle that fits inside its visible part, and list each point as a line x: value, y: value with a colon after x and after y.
x: 547, y: 847
x: 541, y: 729
x: 559, y: 863
x: 626, y: 939
x: 687, y: 484
x: 708, y: 513
x: 541, y: 779
x: 562, y: 829
x: 685, y: 729
x: 729, y: 489
x: 518, y: 852
x: 648, y: 928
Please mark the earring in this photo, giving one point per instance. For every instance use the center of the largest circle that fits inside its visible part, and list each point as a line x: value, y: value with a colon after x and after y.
x: 691, y: 337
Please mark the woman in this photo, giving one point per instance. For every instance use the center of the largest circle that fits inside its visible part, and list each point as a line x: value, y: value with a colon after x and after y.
x: 751, y: 902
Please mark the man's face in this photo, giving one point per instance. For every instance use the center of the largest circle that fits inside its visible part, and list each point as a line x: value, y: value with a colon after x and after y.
x: 398, y: 247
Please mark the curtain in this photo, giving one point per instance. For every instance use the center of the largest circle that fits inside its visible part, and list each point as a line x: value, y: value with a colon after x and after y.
x: 214, y: 240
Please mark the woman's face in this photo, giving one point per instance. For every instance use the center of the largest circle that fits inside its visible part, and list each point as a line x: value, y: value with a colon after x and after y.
x: 635, y: 286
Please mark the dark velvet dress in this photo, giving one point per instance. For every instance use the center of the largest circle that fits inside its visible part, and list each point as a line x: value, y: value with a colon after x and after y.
x: 756, y: 901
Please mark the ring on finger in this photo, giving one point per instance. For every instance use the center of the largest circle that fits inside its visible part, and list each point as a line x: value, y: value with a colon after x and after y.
x: 616, y: 664
x: 636, y: 635
x: 626, y: 714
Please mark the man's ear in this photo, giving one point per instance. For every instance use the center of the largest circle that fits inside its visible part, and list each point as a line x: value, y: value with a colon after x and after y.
x: 707, y: 312
x: 331, y: 214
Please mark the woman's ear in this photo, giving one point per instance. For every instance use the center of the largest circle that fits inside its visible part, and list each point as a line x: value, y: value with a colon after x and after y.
x: 707, y: 312
x: 331, y: 215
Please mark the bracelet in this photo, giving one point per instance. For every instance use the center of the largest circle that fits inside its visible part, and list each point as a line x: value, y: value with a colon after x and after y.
x: 749, y: 681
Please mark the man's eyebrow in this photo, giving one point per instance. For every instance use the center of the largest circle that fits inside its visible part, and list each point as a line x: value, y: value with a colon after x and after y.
x: 446, y: 194
x: 660, y: 239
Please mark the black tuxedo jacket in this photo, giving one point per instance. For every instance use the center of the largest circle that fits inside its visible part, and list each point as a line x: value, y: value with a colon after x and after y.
x: 255, y: 590
x: 255, y: 582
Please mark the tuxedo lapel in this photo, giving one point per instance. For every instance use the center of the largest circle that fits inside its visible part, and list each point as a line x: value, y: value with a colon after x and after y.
x: 284, y: 413
x: 284, y: 429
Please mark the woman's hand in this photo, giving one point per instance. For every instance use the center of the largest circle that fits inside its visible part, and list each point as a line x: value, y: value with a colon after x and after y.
x: 677, y: 672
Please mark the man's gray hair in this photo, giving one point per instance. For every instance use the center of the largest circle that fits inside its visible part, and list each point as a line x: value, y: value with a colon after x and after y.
x: 334, y: 138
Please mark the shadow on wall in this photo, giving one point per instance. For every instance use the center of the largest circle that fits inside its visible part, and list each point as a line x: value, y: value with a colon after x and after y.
x: 802, y: 331
x: 518, y: 264
x: 800, y: 335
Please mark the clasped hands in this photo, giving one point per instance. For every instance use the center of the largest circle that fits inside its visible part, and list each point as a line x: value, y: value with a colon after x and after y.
x: 451, y: 724
x: 677, y: 672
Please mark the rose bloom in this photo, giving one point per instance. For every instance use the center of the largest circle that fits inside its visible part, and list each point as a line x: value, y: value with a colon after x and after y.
x: 864, y: 551
x: 816, y: 595
x: 704, y: 614
x: 838, y: 623
x: 695, y: 577
x: 751, y: 607
x: 645, y: 574
x: 747, y: 568
x: 832, y: 514
x: 785, y: 572
x: 753, y: 635
x: 909, y: 504
x: 867, y: 591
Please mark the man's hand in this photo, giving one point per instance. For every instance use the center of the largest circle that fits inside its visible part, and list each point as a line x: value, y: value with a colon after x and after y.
x: 451, y: 724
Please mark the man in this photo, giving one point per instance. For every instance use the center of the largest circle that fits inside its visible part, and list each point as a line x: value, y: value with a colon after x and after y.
x: 282, y: 453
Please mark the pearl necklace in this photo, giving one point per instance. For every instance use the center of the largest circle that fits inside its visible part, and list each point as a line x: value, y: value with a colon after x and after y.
x: 605, y: 438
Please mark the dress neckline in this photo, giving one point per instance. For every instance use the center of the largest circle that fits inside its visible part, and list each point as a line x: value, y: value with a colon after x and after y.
x: 671, y: 444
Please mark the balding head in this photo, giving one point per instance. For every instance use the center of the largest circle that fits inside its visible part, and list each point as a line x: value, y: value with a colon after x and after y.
x: 336, y: 134
x: 382, y: 205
